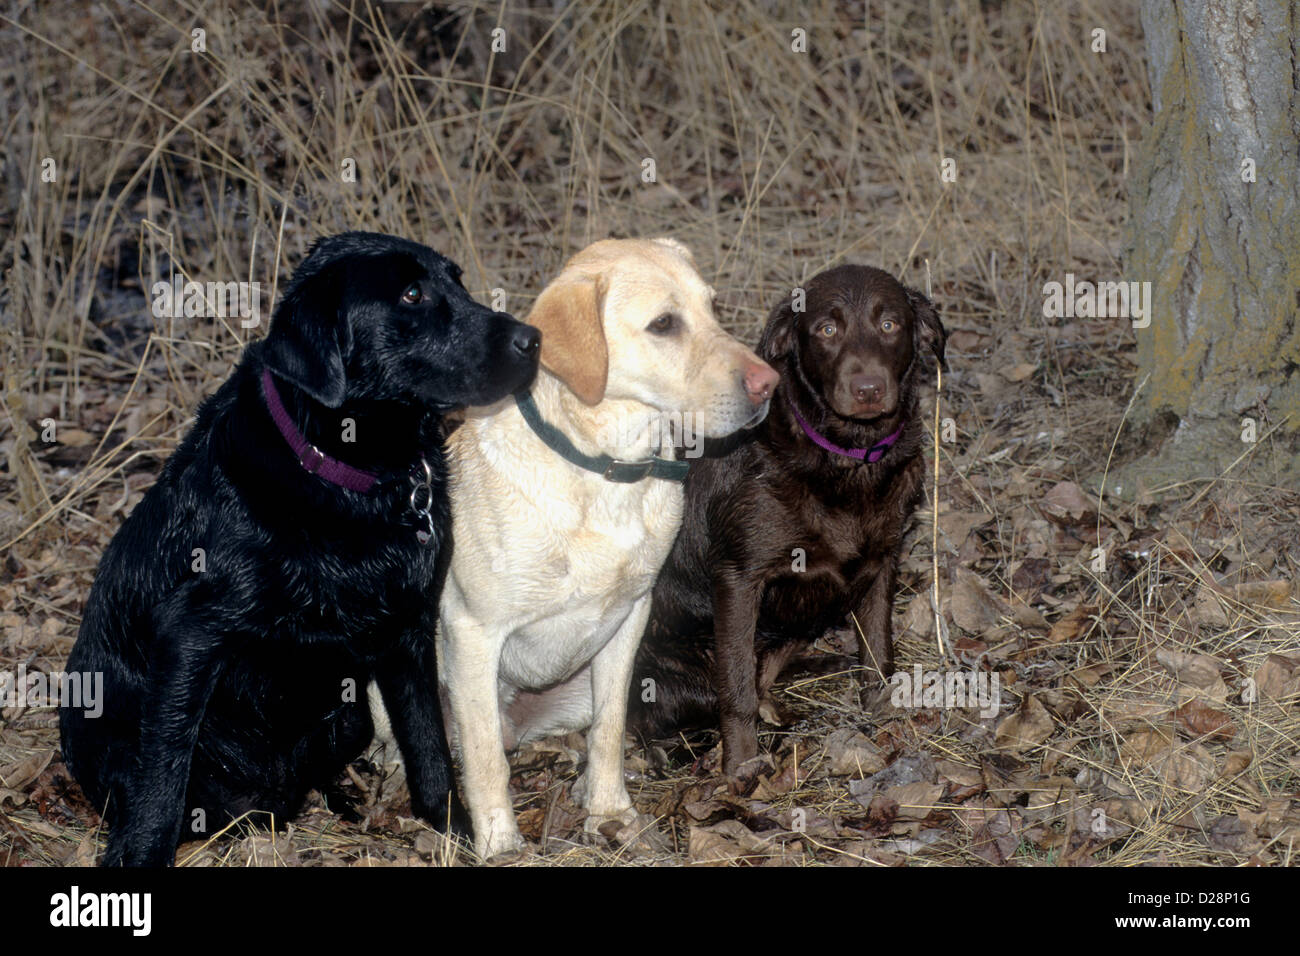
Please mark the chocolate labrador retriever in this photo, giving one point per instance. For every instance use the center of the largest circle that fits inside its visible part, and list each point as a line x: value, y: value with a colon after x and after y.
x: 795, y: 525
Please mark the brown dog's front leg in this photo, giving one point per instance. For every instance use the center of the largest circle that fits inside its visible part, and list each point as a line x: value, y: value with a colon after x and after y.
x: 735, y: 671
x: 875, y: 617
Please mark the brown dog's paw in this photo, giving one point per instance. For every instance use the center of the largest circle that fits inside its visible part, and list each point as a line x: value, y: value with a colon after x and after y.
x: 744, y: 778
x: 875, y: 697
x: 770, y: 712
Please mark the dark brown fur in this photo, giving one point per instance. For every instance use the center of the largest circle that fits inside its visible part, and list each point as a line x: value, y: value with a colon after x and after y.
x: 730, y: 608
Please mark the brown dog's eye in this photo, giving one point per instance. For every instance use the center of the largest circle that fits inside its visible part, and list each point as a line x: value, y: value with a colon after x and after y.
x: 827, y: 329
x: 888, y: 325
x: 663, y: 324
x: 412, y: 295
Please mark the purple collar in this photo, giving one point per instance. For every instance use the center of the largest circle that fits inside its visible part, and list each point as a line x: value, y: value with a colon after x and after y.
x: 871, y: 455
x: 310, y: 457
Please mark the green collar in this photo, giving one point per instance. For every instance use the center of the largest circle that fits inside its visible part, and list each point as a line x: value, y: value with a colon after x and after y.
x: 624, y: 472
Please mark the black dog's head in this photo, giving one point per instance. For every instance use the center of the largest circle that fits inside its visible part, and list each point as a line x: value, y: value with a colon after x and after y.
x: 369, y: 316
x: 855, y: 343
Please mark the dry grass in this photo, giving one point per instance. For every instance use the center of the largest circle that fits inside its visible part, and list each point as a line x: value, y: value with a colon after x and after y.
x: 771, y: 165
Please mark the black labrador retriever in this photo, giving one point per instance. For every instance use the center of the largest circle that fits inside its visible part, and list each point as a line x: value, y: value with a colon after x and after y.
x: 791, y: 527
x: 285, y: 558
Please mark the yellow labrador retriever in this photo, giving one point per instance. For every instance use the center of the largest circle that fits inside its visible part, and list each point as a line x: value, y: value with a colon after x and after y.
x: 565, y: 503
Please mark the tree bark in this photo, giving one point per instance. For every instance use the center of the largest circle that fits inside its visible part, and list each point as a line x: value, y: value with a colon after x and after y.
x: 1222, y: 253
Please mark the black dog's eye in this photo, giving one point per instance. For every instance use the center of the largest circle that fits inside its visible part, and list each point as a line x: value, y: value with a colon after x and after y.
x: 827, y: 329
x: 413, y: 294
x: 888, y: 325
x: 663, y: 324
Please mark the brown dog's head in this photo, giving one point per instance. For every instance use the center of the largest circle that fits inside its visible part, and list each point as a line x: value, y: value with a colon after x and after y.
x: 855, y: 341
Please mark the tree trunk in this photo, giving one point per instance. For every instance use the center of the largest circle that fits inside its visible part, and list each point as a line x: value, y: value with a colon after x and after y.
x: 1222, y: 252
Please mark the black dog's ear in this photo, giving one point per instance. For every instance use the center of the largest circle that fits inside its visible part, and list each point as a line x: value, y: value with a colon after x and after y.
x: 778, y: 335
x: 928, y: 329
x: 310, y: 337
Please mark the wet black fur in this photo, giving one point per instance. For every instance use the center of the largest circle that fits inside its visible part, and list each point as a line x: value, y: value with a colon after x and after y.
x: 243, y: 686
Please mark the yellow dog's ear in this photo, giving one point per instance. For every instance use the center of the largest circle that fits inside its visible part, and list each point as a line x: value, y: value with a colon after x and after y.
x: 568, y: 313
x: 675, y: 245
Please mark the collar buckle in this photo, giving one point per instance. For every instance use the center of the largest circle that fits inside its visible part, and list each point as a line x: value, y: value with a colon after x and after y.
x: 628, y: 472
x: 312, y: 465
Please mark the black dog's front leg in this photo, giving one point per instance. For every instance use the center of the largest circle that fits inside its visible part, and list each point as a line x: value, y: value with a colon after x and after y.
x: 408, y: 680
x: 183, y: 671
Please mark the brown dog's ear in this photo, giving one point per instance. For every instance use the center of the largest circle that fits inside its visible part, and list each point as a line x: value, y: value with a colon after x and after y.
x: 778, y: 334
x: 928, y: 329
x: 568, y: 313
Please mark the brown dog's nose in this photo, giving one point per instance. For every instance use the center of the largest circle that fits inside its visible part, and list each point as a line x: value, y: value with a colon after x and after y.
x: 760, y: 380
x: 867, y: 389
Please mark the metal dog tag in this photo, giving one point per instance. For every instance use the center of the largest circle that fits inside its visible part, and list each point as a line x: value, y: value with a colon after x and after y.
x: 422, y: 503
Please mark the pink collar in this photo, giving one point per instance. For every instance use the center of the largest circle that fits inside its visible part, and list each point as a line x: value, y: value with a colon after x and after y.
x: 871, y: 455
x: 310, y: 457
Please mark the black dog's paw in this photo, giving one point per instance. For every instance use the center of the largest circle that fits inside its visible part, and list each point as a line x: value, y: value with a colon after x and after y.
x: 337, y: 800
x: 446, y: 815
x: 113, y: 856
x: 124, y: 852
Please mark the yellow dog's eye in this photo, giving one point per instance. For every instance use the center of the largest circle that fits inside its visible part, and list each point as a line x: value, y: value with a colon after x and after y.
x: 663, y: 324
x: 412, y: 295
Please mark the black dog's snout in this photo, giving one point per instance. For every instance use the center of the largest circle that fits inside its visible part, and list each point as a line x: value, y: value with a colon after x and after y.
x: 527, y: 341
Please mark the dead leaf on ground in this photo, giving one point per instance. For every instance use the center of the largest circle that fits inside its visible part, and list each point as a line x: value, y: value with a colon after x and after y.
x: 1275, y: 594
x: 778, y: 784
x: 960, y: 774
x: 1049, y: 794
x: 958, y: 525
x: 1142, y: 748
x: 1066, y: 504
x: 19, y: 774
x: 994, y: 838
x: 641, y: 837
x: 915, y: 801
x: 1019, y: 372
x: 1070, y: 627
x: 1090, y: 676
x: 1207, y: 607
x: 1108, y: 819
x: 1199, y: 674
x: 1189, y: 767
x: 850, y: 753
x: 919, y: 617
x: 1230, y: 834
x: 974, y: 608
x: 1031, y: 575
x: 1124, y: 711
x: 1028, y: 727
x: 74, y: 437
x: 1200, y: 720
x: 1279, y: 676
x: 1235, y: 763
x: 265, y: 849
x: 727, y: 842
x: 909, y: 768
